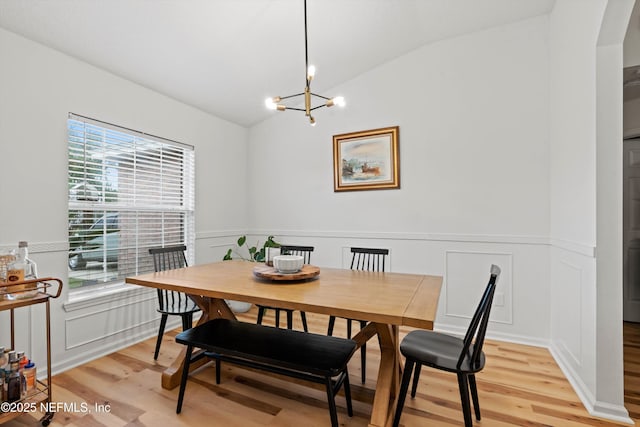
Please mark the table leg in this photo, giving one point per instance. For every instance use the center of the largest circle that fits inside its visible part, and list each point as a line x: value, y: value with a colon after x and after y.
x: 388, y: 385
x: 212, y: 308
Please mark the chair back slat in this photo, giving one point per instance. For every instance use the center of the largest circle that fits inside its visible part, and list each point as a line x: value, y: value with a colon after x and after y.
x: 172, y: 301
x: 304, y: 251
x: 170, y: 258
x: 478, y: 326
x: 368, y: 259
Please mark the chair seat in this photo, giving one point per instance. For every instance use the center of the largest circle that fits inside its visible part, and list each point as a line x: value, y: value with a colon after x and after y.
x: 438, y: 350
x: 180, y: 307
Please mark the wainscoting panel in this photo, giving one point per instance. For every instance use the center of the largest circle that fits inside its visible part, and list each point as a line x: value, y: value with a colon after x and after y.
x: 109, y: 321
x: 467, y: 274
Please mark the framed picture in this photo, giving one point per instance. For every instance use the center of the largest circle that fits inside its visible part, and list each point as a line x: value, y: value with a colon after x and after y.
x: 366, y: 160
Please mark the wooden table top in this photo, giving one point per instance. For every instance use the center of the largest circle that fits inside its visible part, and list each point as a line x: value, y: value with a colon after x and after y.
x: 390, y: 298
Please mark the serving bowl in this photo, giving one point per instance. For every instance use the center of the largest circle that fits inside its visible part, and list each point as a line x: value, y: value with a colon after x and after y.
x: 288, y: 263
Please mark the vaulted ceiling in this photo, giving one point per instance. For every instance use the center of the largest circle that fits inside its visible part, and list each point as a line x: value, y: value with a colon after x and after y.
x: 226, y: 56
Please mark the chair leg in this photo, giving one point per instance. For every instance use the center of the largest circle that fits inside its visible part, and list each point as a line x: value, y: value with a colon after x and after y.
x: 187, y: 321
x: 289, y: 319
x: 349, y: 328
x: 416, y: 377
x: 402, y: 395
x: 347, y: 393
x: 185, y: 375
x: 474, y: 395
x: 332, y: 322
x: 277, y: 310
x: 218, y: 370
x: 261, y: 311
x: 333, y: 411
x: 363, y: 355
x: 463, y: 384
x: 303, y: 316
x: 163, y: 323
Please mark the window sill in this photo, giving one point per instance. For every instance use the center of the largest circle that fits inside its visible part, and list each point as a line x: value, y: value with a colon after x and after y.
x: 82, y: 299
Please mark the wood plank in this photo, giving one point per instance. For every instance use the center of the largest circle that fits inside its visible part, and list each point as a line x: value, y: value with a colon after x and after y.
x: 421, y: 312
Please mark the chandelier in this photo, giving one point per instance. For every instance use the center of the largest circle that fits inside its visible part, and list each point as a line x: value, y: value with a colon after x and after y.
x: 275, y: 102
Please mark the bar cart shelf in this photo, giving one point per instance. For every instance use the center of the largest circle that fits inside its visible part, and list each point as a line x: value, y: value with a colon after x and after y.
x: 24, y: 294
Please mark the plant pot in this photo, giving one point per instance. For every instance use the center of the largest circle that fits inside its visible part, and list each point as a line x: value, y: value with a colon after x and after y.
x: 238, y: 306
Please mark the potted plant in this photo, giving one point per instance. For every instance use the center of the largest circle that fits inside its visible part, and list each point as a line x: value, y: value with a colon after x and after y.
x: 254, y: 255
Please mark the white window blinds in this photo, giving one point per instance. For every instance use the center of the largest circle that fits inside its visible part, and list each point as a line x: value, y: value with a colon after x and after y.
x: 128, y: 191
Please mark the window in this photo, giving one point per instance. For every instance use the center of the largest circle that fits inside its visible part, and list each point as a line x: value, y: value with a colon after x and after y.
x: 128, y: 191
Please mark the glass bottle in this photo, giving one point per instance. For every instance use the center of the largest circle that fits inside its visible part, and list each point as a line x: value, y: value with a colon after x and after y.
x: 4, y: 373
x: 29, y: 373
x: 22, y: 362
x: 14, y: 383
x: 3, y: 358
x: 16, y: 269
x: 14, y: 387
x: 30, y: 269
x: 14, y: 363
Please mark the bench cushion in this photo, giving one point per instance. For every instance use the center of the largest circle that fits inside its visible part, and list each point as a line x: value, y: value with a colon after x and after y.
x: 294, y: 350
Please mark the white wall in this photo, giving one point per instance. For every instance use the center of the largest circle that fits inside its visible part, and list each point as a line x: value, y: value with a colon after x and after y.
x: 474, y: 159
x: 586, y: 216
x: 38, y: 88
x: 461, y: 108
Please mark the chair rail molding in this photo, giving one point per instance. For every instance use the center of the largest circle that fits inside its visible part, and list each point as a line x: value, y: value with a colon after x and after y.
x: 402, y: 235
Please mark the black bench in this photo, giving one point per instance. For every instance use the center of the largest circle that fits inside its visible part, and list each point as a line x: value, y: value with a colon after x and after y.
x: 312, y: 357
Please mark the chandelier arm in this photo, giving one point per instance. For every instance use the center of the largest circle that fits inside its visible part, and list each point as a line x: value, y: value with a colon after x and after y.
x: 320, y: 96
x: 296, y: 109
x: 315, y: 108
x: 291, y: 96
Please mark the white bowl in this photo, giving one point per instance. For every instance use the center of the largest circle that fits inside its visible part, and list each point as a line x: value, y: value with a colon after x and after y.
x: 288, y: 263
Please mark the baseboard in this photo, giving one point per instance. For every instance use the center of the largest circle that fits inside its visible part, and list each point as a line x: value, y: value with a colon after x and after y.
x: 611, y: 412
x: 598, y: 409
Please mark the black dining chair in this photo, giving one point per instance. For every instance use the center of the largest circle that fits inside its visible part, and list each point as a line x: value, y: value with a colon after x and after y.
x: 464, y: 356
x: 172, y: 303
x: 305, y: 252
x: 365, y: 259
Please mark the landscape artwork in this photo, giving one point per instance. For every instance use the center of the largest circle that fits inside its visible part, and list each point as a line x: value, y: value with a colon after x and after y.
x: 366, y: 160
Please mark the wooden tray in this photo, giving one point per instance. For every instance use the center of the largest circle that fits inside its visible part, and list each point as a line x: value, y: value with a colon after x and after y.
x: 266, y: 272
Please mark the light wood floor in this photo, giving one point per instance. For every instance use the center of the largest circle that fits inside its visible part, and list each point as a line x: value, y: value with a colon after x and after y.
x: 520, y: 386
x: 631, y: 332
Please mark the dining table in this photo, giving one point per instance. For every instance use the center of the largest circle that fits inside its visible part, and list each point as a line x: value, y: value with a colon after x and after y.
x: 385, y: 300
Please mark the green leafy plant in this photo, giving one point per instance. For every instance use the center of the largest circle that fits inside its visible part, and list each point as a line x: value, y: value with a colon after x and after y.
x: 255, y: 254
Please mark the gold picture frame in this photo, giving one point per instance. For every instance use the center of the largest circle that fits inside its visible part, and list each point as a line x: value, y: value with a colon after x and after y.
x: 366, y: 160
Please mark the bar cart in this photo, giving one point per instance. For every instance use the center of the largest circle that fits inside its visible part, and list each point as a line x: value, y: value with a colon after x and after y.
x: 24, y: 294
